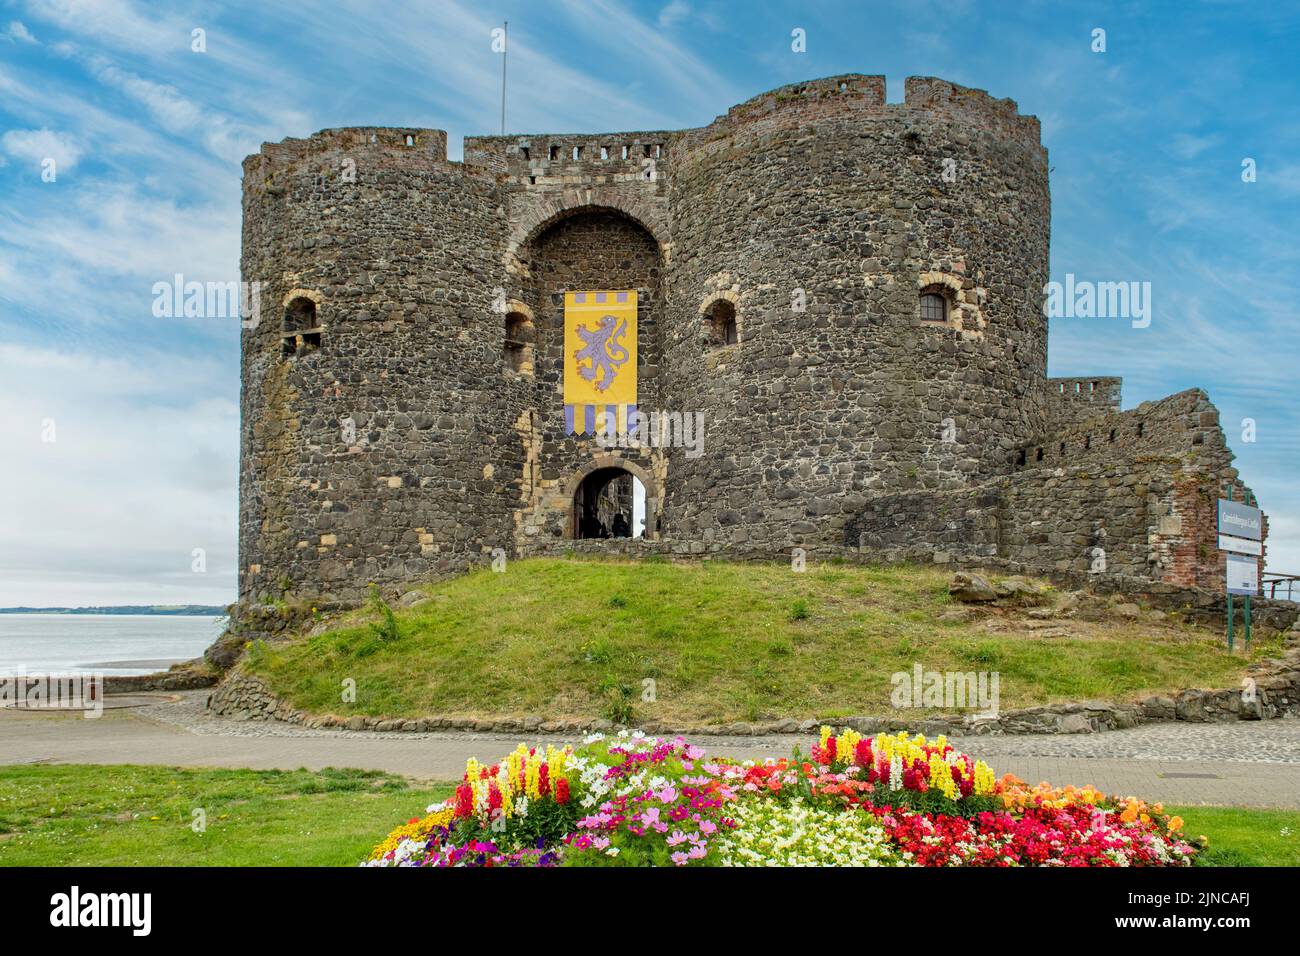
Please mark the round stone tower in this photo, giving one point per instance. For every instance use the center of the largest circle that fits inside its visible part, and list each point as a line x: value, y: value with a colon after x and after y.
x: 830, y: 218
x: 369, y: 404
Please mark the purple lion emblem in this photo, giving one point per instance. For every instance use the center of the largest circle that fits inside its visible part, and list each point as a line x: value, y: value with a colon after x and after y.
x: 602, y: 350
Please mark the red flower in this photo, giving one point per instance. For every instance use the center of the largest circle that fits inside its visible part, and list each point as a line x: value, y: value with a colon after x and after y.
x: 562, y: 790
x: 464, y: 800
x: 862, y: 755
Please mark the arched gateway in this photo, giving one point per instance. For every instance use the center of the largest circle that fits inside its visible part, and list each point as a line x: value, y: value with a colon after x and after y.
x: 612, y: 498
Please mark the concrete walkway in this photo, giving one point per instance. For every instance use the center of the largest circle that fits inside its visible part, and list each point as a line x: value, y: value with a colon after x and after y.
x: 1243, y: 764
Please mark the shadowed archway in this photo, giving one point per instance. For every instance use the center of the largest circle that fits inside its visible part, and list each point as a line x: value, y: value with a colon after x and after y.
x: 607, y: 488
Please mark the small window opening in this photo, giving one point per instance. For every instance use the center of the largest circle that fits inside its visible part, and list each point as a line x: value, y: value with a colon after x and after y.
x: 720, y: 324
x: 626, y: 152
x: 577, y: 152
x: 523, y: 151
x: 518, y: 349
x: 1087, y: 441
x: 1142, y: 427
x: 646, y: 150
x: 1020, y: 458
x: 1112, y: 435
x: 1038, y: 455
x: 934, y: 307
x: 604, y: 152
x: 300, y: 333
x: 555, y: 152
x: 1062, y: 449
x: 410, y: 140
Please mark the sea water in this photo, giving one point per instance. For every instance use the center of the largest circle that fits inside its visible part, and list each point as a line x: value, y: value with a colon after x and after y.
x: 106, y: 643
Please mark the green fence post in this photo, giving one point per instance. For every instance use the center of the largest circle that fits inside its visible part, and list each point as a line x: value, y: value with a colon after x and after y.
x: 1229, y: 593
x: 1247, y: 623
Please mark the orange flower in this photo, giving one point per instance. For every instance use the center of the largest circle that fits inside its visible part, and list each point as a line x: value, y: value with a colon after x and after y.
x: 1175, y: 824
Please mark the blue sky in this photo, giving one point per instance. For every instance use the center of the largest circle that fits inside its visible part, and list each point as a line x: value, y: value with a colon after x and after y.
x: 1146, y: 144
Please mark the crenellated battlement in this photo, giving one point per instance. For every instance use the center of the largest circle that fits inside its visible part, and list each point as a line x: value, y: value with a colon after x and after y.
x: 568, y: 159
x: 548, y: 158
x: 960, y: 104
x: 849, y: 92
x: 1078, y: 398
x: 408, y: 147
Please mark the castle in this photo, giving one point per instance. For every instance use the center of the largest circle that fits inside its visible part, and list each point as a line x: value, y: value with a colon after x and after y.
x: 847, y: 292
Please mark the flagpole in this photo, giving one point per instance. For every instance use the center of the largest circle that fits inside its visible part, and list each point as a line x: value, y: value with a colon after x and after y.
x: 505, y: 51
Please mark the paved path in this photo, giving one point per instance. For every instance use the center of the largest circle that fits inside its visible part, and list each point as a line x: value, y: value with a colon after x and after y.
x: 1245, y: 764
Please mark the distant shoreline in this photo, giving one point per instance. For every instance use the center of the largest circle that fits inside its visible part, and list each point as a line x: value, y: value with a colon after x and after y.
x: 180, y: 610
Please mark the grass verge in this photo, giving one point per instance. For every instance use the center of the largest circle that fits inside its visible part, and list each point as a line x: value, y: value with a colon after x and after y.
x: 1240, y: 837
x: 86, y: 815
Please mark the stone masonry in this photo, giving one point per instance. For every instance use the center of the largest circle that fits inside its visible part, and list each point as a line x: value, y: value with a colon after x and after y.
x: 402, y: 394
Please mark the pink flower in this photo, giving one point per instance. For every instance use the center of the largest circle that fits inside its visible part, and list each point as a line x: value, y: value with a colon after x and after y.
x: 677, y: 838
x: 680, y: 858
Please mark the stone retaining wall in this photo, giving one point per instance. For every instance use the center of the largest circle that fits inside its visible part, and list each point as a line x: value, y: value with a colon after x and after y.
x: 188, y: 678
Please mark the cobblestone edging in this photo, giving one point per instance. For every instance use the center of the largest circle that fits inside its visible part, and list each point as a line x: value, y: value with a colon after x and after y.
x: 1272, y: 689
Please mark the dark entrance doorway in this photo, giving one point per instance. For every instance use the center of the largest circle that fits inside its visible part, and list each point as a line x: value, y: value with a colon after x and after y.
x: 609, y: 503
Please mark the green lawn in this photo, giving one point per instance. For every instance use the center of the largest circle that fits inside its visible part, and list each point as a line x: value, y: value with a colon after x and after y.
x: 79, y: 815
x: 1244, y: 837
x: 89, y: 815
x: 717, y: 642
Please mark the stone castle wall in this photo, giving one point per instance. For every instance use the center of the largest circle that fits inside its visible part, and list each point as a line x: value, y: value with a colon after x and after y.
x: 1128, y: 493
x: 419, y: 425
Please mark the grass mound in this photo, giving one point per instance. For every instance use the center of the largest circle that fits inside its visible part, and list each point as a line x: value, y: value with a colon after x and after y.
x: 716, y: 642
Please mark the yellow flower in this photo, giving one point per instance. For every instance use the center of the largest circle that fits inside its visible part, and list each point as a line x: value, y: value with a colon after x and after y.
x: 1175, y: 824
x: 414, y: 831
x: 533, y: 777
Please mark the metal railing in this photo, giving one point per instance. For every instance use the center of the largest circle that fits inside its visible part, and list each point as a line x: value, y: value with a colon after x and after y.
x: 1271, y: 582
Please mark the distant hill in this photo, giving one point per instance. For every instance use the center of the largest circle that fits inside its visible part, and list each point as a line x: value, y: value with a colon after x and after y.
x: 190, y: 610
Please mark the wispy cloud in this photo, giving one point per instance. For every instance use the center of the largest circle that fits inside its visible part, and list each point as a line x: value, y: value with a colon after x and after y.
x: 35, y: 146
x: 16, y: 31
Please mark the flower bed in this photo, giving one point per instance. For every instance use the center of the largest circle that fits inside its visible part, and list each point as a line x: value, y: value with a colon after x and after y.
x: 899, y: 800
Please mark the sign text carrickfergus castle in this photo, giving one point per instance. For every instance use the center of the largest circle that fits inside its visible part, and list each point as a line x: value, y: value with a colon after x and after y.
x: 845, y: 295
